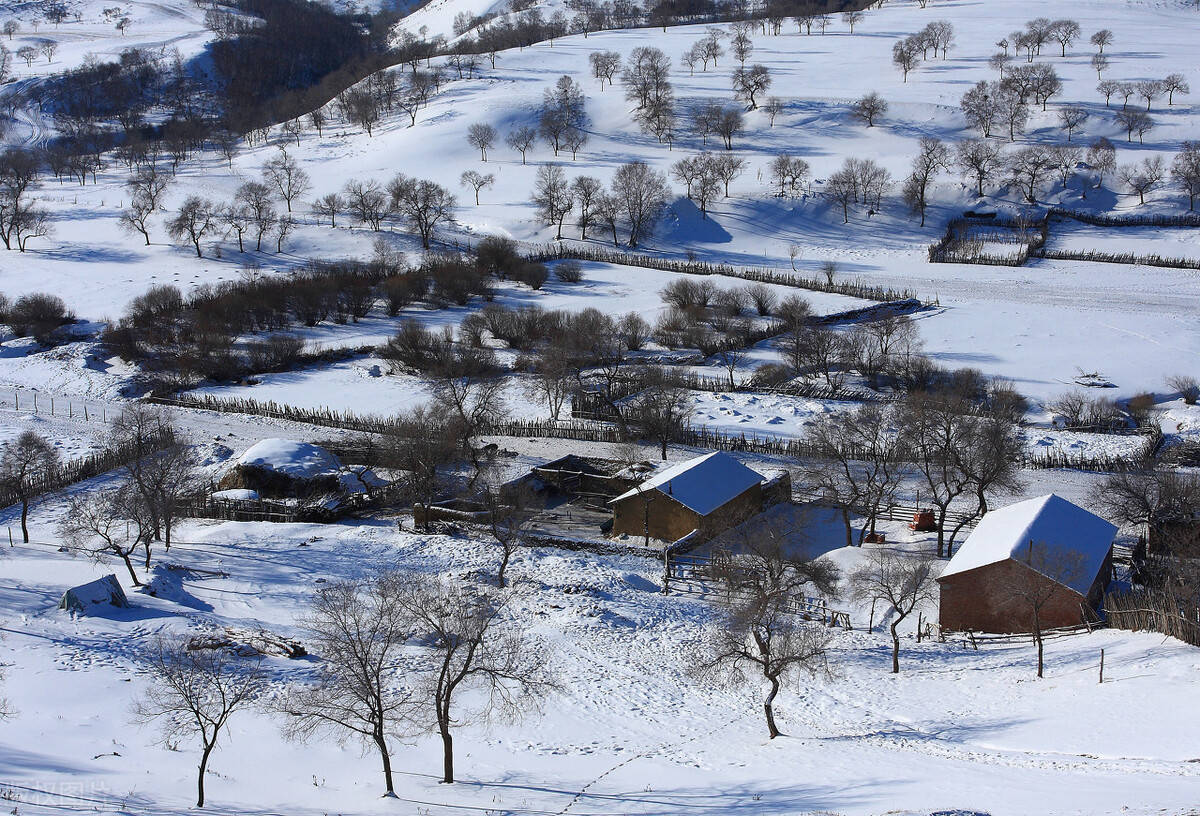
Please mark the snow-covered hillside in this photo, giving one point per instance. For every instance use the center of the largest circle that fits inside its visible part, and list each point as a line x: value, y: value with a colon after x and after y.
x: 958, y: 730
x: 1038, y: 325
x: 630, y: 729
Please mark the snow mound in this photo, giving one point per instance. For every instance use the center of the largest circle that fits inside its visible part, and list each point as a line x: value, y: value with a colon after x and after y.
x: 300, y: 460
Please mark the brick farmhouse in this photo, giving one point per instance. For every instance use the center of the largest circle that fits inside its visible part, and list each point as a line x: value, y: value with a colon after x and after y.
x: 708, y: 494
x: 1047, y: 548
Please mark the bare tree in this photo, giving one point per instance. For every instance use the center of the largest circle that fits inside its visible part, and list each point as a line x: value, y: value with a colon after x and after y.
x: 726, y: 122
x: 1175, y: 84
x: 586, y: 191
x: 552, y: 195
x: 641, y: 193
x: 605, y: 65
x: 1143, y: 177
x: 1185, y: 170
x: 1028, y: 167
x: 284, y: 173
x: 842, y: 187
x: 471, y: 401
x: 789, y: 172
x: 193, y: 693
x: 905, y: 56
x: 760, y: 635
x: 359, y: 631
x: 1150, y: 89
x: 1071, y: 118
x: 473, y: 647
x: 195, y: 219
x: 25, y: 464
x: 482, y: 137
x: 902, y: 580
x: 1157, y: 499
x: 423, y: 204
x: 367, y: 202
x: 931, y: 158
x: 1100, y: 64
x: 772, y: 108
x: 980, y: 108
x: 477, y: 181
x: 982, y: 159
x: 160, y: 465
x: 136, y: 217
x: 510, y: 513
x: 869, y: 107
x: 1102, y: 158
x: 255, y: 199
x: 329, y: 206
x: 521, y: 139
x: 749, y: 82
x: 741, y: 46
x: 852, y: 18
x: 1066, y: 32
x: 663, y: 411
x: 1101, y: 38
x: 860, y: 463
x: 100, y: 523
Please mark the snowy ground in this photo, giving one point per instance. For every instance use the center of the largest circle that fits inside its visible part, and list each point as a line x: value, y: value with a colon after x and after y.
x: 956, y: 729
x: 1035, y: 325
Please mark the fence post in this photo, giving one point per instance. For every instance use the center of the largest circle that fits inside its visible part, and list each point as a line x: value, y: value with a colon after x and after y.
x: 1101, y: 665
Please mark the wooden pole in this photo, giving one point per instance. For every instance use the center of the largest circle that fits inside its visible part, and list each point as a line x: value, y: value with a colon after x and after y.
x: 1101, y: 665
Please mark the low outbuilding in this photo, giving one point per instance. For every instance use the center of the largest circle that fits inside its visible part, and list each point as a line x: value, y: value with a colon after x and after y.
x: 705, y: 496
x: 85, y: 598
x: 1046, y: 552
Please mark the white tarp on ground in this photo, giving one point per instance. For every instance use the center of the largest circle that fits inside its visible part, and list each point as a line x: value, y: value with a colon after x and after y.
x: 1062, y: 534
x: 702, y: 484
x: 106, y: 590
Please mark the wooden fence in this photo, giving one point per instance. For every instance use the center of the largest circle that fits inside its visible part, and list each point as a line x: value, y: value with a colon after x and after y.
x: 79, y: 470
x: 585, y: 431
x: 1142, y: 610
x: 555, y: 252
x: 50, y: 405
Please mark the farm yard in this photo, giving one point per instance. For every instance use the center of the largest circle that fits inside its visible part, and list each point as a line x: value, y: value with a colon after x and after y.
x: 771, y: 408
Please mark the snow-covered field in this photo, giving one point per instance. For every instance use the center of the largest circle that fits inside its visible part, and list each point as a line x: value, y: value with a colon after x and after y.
x: 957, y: 729
x: 1035, y: 325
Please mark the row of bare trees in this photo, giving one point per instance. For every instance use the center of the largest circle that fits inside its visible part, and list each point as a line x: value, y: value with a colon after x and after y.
x: 401, y: 654
x: 960, y: 446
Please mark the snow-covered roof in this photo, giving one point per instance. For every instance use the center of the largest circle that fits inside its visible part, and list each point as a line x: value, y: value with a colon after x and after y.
x: 301, y: 460
x: 702, y: 484
x: 106, y: 590
x: 1072, y: 541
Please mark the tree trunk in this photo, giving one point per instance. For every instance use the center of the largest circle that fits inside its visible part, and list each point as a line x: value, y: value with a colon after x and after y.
x: 849, y: 527
x: 25, y: 519
x: 768, y: 708
x: 506, y: 553
x: 381, y: 743
x: 132, y: 574
x: 200, y: 775
x: 896, y: 645
x: 447, y: 755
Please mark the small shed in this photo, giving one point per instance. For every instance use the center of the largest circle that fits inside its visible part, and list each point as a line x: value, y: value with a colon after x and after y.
x: 706, y: 495
x: 83, y: 598
x: 1046, y: 547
